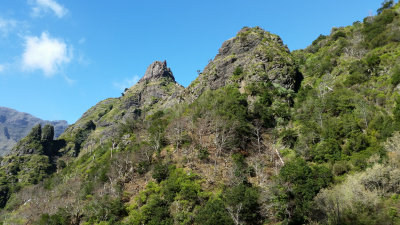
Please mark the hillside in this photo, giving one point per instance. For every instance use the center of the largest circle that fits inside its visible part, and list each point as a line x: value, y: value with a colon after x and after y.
x: 262, y: 136
x: 15, y: 125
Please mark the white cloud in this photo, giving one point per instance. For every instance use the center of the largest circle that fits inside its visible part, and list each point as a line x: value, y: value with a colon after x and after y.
x: 127, y: 83
x: 44, y: 6
x: 45, y: 53
x: 69, y: 80
x: 7, y: 25
x: 1, y: 68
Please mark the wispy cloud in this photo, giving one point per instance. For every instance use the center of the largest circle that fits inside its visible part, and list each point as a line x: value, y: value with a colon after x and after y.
x: 42, y: 7
x: 69, y: 80
x: 45, y: 53
x: 127, y: 83
x: 2, y: 67
x: 82, y: 41
x: 7, y: 25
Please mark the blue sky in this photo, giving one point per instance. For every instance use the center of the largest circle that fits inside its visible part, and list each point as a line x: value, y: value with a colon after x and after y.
x: 60, y: 57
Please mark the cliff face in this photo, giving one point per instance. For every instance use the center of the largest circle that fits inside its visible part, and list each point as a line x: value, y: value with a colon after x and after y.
x: 15, y: 125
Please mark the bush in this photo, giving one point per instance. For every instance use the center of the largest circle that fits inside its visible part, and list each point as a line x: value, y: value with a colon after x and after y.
x: 340, y: 168
x: 160, y: 172
x: 356, y: 78
x: 237, y: 74
x: 338, y: 35
x: 301, y: 185
x: 203, y: 153
x: 213, y: 212
x: 48, y: 133
x: 387, y: 4
x: 171, y: 200
x: 36, y: 133
x: 289, y: 138
x: 375, y: 32
x: 82, y: 134
x: 105, y: 209
x: 395, y: 80
x: 242, y: 202
x: 327, y: 150
x: 60, y: 218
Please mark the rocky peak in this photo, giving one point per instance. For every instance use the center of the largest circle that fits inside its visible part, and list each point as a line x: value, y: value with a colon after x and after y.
x: 253, y: 55
x: 156, y: 71
x: 247, y: 39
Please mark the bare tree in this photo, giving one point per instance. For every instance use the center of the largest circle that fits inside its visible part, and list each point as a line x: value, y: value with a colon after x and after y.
x: 176, y: 132
x: 234, y: 212
x: 223, y: 134
x: 256, y: 130
x: 257, y: 162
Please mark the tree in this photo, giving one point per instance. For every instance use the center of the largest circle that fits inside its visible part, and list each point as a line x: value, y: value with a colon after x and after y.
x: 224, y: 134
x: 36, y: 132
x: 213, y: 213
x: 48, y: 133
x: 385, y: 5
x: 241, y: 202
x: 156, y: 129
x: 301, y: 183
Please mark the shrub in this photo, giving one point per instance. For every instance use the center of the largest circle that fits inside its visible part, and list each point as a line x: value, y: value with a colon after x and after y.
x: 387, y: 4
x: 338, y: 35
x: 36, y: 133
x: 395, y: 80
x: 241, y: 202
x: 62, y: 217
x: 237, y: 73
x: 105, y: 209
x: 327, y: 150
x: 203, y: 153
x: 289, y: 138
x: 213, y: 212
x: 340, y: 168
x: 48, y: 133
x: 302, y: 183
x: 160, y: 172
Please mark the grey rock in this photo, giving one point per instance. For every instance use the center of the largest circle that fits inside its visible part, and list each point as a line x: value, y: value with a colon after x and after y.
x: 16, y: 125
x: 157, y: 70
x: 262, y: 56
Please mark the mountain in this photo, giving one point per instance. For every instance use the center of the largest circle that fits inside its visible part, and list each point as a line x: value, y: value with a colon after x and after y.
x: 262, y: 136
x: 15, y: 125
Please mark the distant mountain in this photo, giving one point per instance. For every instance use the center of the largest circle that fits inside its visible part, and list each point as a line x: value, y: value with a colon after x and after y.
x: 15, y: 125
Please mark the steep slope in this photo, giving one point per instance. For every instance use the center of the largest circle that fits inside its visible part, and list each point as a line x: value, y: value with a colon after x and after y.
x: 15, y: 125
x: 156, y: 90
x: 254, y: 55
x: 346, y: 120
x: 158, y: 132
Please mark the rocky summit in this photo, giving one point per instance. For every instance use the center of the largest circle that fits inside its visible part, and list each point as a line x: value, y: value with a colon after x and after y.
x: 255, y: 55
x: 157, y: 70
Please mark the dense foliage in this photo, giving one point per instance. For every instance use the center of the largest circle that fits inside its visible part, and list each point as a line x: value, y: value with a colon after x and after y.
x: 248, y: 150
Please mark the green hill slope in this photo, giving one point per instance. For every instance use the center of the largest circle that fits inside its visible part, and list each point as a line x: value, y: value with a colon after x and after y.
x: 262, y: 136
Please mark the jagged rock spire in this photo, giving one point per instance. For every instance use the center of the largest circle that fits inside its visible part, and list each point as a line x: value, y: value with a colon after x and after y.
x: 157, y: 70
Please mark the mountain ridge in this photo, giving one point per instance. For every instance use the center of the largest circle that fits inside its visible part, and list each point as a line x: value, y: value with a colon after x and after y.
x: 262, y: 136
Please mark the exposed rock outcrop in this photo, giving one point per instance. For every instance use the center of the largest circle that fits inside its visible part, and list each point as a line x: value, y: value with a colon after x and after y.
x: 157, y: 70
x: 15, y: 125
x: 260, y: 55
